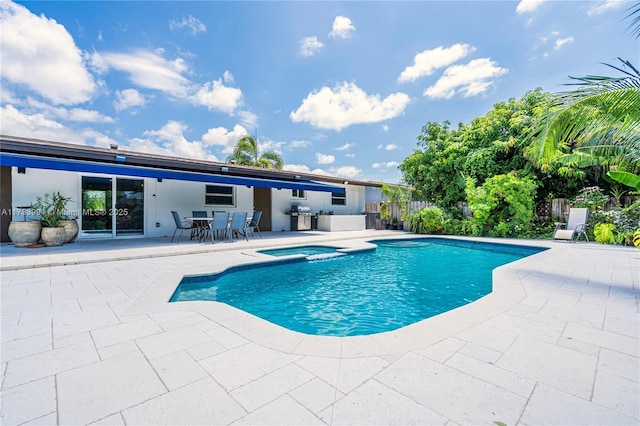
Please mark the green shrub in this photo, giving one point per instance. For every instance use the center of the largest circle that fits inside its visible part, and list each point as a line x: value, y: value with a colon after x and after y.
x: 503, y: 206
x: 428, y: 220
x: 452, y: 226
x: 604, y: 233
x: 592, y: 198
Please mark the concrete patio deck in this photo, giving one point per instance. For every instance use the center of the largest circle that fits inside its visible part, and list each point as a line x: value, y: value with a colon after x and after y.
x: 89, y: 338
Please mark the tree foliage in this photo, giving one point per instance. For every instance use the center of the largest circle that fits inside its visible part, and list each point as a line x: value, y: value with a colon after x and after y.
x: 488, y: 146
x: 502, y: 205
x: 246, y: 153
x: 595, y: 124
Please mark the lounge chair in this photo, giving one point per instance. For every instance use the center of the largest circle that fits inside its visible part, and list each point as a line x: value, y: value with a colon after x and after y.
x: 220, y: 224
x: 575, y: 226
x: 253, y: 223
x: 238, y: 226
x: 181, y: 225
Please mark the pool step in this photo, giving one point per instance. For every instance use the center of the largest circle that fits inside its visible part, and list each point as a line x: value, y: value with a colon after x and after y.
x: 323, y: 256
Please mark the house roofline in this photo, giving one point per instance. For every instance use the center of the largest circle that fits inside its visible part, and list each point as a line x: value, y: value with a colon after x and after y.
x: 42, y: 148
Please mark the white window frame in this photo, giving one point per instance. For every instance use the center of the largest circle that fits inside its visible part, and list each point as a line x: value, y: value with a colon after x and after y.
x: 295, y: 193
x: 338, y: 197
x: 232, y: 196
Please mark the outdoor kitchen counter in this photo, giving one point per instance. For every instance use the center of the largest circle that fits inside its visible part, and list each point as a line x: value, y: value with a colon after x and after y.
x: 341, y: 222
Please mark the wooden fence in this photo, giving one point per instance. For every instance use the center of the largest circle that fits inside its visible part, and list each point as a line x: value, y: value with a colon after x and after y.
x: 557, y: 208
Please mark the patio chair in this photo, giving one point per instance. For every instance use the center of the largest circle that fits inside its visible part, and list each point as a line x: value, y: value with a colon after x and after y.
x: 575, y: 226
x: 238, y: 226
x: 181, y: 225
x: 253, y: 223
x: 220, y: 224
x: 199, y: 230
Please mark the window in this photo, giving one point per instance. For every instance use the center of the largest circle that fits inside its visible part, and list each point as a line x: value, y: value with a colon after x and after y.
x: 298, y: 193
x: 338, y: 199
x: 219, y: 195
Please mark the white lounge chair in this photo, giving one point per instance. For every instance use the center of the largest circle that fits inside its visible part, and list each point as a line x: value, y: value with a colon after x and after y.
x: 575, y: 226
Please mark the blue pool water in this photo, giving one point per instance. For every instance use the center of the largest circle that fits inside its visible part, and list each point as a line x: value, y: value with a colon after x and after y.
x: 399, y: 283
x: 308, y: 250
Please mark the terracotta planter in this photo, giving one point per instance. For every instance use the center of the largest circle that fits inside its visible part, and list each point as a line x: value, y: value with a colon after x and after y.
x: 71, y: 230
x: 24, y: 234
x: 52, y: 237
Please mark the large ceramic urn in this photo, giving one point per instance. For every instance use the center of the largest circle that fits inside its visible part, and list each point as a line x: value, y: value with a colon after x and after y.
x: 24, y: 233
x: 71, y: 230
x: 53, y: 236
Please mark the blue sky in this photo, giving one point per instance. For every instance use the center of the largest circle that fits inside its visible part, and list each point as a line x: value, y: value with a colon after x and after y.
x: 338, y: 88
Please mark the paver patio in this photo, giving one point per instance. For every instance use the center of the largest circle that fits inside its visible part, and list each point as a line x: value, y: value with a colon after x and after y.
x: 88, y: 339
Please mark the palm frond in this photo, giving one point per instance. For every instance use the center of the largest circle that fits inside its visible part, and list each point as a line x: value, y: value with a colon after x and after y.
x: 634, y: 26
x: 595, y: 84
x: 626, y: 178
x: 606, y: 119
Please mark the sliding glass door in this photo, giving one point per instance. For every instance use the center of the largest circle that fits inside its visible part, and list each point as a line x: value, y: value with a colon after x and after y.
x: 104, y: 214
x: 129, y: 207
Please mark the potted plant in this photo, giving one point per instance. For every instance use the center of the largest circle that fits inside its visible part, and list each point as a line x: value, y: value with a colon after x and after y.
x: 51, y: 208
x: 397, y: 196
x: 24, y: 233
x: 385, y: 214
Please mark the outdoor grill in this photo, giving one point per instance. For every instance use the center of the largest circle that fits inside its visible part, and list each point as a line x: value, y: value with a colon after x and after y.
x: 300, y: 218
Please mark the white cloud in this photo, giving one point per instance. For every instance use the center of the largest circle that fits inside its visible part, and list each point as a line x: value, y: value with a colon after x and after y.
x: 350, y: 155
x: 526, y: 6
x: 191, y: 23
x: 248, y: 119
x: 346, y: 171
x: 345, y: 147
x: 385, y: 128
x: 301, y: 168
x: 427, y: 61
x: 40, y: 54
x: 270, y: 145
x: 347, y: 104
x: 391, y: 147
x: 17, y: 123
x: 148, y: 69
x: 309, y: 46
x: 216, y: 96
x: 228, y: 77
x: 324, y: 158
x: 342, y: 27
x: 170, y: 140
x: 220, y: 136
x: 128, y: 98
x: 386, y: 165
x: 561, y: 42
x: 605, y: 6
x: 68, y: 114
x: 300, y: 144
x: 471, y: 79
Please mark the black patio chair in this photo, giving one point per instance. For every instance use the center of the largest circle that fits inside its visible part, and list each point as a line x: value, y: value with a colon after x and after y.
x: 253, y: 223
x: 181, y: 225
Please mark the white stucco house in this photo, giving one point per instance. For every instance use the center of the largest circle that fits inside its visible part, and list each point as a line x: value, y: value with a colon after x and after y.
x: 116, y: 193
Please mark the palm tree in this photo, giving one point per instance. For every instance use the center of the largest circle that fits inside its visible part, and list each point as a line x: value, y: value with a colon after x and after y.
x: 596, y: 124
x: 246, y: 154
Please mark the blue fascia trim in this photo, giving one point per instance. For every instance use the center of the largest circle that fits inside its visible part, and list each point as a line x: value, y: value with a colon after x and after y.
x: 17, y: 160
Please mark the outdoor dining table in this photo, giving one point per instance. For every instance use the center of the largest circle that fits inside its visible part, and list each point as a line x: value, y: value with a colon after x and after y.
x: 201, y: 224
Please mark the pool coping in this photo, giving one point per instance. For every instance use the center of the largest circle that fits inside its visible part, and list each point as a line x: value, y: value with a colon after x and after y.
x: 508, y: 290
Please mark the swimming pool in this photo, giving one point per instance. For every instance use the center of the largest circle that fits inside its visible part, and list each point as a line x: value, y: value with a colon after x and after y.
x: 306, y: 250
x: 399, y: 283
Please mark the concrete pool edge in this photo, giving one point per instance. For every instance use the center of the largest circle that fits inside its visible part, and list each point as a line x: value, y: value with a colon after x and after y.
x: 507, y: 292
